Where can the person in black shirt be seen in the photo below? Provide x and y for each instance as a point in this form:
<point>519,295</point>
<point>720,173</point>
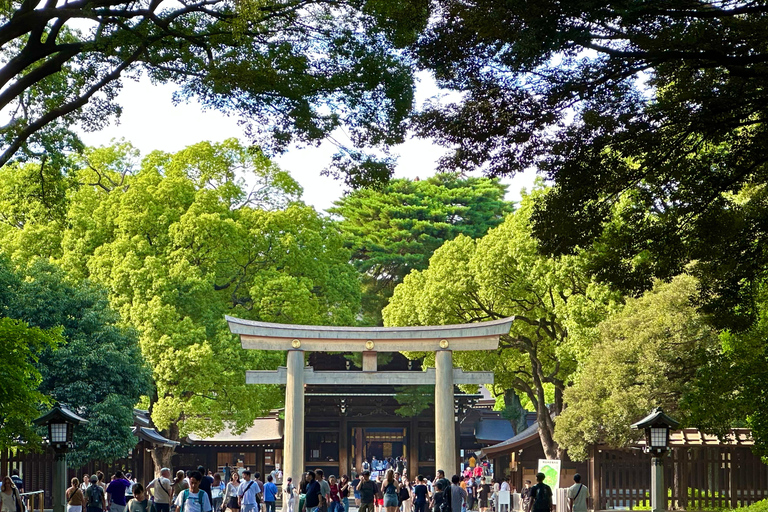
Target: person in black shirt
<point>541,496</point>
<point>205,483</point>
<point>420,492</point>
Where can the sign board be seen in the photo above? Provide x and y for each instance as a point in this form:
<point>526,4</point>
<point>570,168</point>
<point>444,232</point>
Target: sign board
<point>551,468</point>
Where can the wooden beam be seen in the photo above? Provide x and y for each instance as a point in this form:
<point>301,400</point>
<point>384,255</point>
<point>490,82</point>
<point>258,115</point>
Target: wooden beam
<point>358,378</point>
<point>271,336</point>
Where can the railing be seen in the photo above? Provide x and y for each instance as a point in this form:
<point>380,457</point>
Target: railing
<point>31,500</point>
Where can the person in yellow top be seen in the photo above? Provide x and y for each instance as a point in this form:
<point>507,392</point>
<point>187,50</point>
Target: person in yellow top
<point>472,462</point>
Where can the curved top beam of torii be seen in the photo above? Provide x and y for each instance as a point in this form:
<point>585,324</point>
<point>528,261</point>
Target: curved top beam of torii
<point>316,338</point>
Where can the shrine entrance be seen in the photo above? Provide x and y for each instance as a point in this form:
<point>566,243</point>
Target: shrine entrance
<point>298,339</point>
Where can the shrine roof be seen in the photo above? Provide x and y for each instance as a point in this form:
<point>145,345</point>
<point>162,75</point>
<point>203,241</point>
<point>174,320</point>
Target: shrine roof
<point>273,336</point>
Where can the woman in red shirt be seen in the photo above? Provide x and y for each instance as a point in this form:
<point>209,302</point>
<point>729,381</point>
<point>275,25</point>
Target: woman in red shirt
<point>335,504</point>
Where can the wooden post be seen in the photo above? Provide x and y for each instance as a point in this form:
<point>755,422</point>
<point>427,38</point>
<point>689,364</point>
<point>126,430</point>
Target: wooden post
<point>413,449</point>
<point>594,478</point>
<point>343,447</point>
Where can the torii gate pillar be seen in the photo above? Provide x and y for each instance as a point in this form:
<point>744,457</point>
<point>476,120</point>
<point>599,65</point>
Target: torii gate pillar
<point>293,460</point>
<point>445,430</point>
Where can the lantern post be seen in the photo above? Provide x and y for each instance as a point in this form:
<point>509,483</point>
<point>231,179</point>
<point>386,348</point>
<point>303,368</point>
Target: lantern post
<point>657,426</point>
<point>61,425</point>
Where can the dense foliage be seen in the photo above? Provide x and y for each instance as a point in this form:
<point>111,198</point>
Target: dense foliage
<point>294,70</point>
<point>555,304</point>
<point>178,241</point>
<point>22,345</point>
<point>647,355</point>
<point>662,103</point>
<point>395,230</point>
<point>96,369</point>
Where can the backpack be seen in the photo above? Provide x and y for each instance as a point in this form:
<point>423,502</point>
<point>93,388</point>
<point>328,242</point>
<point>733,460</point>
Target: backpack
<point>445,505</point>
<point>95,496</point>
<point>200,494</point>
<point>543,500</point>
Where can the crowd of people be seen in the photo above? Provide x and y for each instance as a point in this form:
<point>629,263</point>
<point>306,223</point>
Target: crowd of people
<point>389,491</point>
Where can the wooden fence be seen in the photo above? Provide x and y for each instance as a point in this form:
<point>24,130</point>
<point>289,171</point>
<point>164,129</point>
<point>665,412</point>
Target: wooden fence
<point>697,478</point>
<point>36,470</point>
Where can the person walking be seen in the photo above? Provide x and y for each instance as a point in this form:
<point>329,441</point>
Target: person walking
<point>270,494</point>
<point>541,496</point>
<point>75,497</point>
<point>314,494</point>
<point>325,490</point>
<point>10,497</point>
<point>140,500</point>
<point>440,498</point>
<point>179,484</point>
<point>390,490</point>
<point>206,483</point>
<point>217,491</point>
<point>95,497</point>
<point>367,490</point>
<point>231,501</point>
<point>406,505</point>
<point>116,491</point>
<point>161,491</point>
<point>289,495</point>
<point>578,494</point>
<point>247,493</point>
<point>419,493</point>
<point>193,499</point>
<point>525,495</point>
<point>344,487</point>
<point>334,501</point>
<point>484,494</point>
<point>260,494</point>
<point>355,482</point>
<point>458,495</point>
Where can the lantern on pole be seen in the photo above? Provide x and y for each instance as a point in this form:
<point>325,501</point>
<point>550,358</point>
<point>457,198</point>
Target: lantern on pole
<point>657,426</point>
<point>61,424</point>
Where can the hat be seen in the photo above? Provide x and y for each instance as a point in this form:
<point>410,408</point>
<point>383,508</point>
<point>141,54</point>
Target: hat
<point>94,479</point>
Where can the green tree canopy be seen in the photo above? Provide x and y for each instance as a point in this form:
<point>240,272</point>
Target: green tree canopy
<point>20,398</point>
<point>665,101</point>
<point>294,70</point>
<point>731,389</point>
<point>647,355</point>
<point>556,307</point>
<point>97,369</point>
<point>395,230</point>
<point>178,244</point>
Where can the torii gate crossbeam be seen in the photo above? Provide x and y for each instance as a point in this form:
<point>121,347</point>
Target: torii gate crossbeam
<point>297,339</point>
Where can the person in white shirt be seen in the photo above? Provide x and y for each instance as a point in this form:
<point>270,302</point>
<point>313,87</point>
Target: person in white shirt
<point>161,491</point>
<point>578,494</point>
<point>193,499</point>
<point>247,493</point>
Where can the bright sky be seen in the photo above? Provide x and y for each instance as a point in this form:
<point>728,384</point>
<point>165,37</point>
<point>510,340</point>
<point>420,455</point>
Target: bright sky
<point>150,121</point>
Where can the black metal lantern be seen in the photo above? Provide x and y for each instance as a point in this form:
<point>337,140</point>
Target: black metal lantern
<point>657,426</point>
<point>61,425</point>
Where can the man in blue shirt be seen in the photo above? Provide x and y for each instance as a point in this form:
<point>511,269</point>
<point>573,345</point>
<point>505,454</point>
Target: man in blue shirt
<point>270,494</point>
<point>314,494</point>
<point>116,492</point>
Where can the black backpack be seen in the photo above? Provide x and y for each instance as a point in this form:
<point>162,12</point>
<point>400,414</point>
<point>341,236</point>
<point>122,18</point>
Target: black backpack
<point>95,496</point>
<point>543,500</point>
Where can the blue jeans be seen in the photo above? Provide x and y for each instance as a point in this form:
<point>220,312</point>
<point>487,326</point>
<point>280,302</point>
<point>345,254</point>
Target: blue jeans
<point>345,505</point>
<point>335,506</point>
<point>270,506</point>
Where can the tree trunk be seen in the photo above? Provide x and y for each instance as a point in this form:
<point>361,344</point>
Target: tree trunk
<point>546,433</point>
<point>161,456</point>
<point>515,410</point>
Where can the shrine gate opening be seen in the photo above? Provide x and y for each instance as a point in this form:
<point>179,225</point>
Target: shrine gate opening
<point>297,339</point>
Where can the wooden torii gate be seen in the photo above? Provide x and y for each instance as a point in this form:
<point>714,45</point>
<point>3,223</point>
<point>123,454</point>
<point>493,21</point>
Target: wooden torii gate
<point>297,339</point>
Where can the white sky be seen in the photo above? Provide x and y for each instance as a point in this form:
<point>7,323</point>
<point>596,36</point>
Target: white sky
<point>150,121</point>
